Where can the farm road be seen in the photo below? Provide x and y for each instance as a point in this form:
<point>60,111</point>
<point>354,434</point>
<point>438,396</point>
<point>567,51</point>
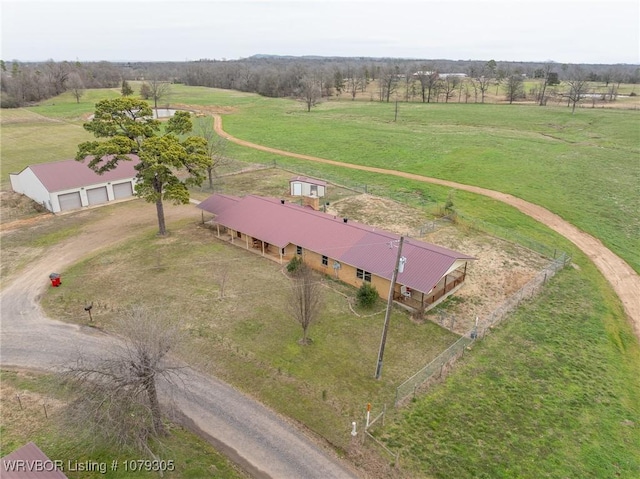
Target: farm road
<point>256,438</point>
<point>624,280</point>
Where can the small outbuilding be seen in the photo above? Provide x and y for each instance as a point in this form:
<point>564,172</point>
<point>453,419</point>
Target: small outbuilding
<point>70,184</point>
<point>303,186</point>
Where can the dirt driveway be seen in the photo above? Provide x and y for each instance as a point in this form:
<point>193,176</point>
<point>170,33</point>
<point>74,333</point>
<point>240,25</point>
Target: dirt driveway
<point>259,440</point>
<point>624,280</point>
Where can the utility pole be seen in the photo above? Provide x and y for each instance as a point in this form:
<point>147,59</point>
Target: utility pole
<point>387,315</point>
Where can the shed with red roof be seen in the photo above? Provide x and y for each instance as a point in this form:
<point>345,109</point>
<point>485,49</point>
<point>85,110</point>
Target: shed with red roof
<point>70,184</point>
<point>305,186</point>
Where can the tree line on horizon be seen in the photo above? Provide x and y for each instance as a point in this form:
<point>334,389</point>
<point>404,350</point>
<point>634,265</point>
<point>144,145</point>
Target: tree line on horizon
<point>312,78</point>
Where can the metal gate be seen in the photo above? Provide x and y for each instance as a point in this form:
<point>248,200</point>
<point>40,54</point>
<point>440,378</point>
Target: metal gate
<point>70,201</point>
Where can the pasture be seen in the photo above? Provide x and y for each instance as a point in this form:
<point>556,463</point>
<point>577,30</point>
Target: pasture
<point>554,392</point>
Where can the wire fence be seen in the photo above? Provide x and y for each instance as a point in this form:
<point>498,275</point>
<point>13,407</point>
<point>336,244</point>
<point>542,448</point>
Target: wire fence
<point>439,367</point>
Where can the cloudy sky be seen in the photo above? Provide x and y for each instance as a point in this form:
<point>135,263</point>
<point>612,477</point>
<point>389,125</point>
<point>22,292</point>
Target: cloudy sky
<point>564,31</point>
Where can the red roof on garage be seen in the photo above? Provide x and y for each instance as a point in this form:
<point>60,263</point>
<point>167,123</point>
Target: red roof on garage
<point>70,174</point>
<point>359,245</point>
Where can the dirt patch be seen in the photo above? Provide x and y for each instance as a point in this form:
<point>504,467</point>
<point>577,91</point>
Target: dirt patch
<point>18,210</point>
<point>26,410</point>
<point>205,109</point>
<point>501,268</point>
<point>380,213</point>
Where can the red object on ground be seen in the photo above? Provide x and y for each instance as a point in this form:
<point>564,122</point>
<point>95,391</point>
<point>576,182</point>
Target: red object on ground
<point>55,278</point>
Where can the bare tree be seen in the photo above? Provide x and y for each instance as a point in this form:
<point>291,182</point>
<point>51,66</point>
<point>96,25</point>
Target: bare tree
<point>449,85</point>
<point>578,87</point>
<point>216,145</point>
<point>309,91</point>
<point>117,393</point>
<point>428,80</point>
<point>75,86</point>
<point>158,90</point>
<point>388,82</point>
<point>514,87</point>
<point>546,71</point>
<point>305,299</point>
<point>57,75</point>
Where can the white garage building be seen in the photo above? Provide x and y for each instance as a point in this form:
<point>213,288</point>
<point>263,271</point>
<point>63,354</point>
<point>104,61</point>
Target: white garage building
<point>70,184</point>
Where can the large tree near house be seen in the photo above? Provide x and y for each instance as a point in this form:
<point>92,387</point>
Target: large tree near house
<point>170,161</point>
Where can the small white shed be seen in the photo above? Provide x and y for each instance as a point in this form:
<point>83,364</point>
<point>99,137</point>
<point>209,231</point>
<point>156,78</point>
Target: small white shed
<point>70,184</point>
<point>303,186</point>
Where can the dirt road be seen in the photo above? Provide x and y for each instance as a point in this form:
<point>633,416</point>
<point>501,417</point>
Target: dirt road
<point>258,439</point>
<point>624,280</point>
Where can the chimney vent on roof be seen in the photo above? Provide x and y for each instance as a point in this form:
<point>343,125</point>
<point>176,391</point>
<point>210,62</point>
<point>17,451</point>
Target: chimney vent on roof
<point>282,202</point>
<point>345,219</point>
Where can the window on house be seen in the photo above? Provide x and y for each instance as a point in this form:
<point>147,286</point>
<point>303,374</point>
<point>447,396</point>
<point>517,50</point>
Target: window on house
<point>363,275</point>
<point>325,261</point>
<point>299,250</point>
<point>238,234</point>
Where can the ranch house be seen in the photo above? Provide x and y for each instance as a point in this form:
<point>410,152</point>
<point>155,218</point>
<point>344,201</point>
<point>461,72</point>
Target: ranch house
<point>349,251</point>
<point>70,184</point>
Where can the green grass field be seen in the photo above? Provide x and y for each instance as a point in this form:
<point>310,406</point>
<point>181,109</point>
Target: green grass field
<point>554,392</point>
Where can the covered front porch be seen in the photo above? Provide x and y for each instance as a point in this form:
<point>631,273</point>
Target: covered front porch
<point>447,286</point>
<point>255,245</point>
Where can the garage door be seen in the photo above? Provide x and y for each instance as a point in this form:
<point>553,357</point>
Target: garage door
<point>97,196</point>
<point>69,201</point>
<point>122,190</point>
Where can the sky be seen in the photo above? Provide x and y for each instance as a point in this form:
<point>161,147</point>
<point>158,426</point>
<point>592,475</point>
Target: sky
<point>562,31</point>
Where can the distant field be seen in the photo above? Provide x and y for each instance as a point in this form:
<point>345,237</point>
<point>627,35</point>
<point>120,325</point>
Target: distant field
<point>583,167</point>
<point>555,392</point>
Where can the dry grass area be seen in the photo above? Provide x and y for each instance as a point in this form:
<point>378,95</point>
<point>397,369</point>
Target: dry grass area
<point>15,209</point>
<point>26,410</point>
<point>500,269</point>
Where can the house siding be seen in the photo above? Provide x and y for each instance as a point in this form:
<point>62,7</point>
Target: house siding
<point>27,183</point>
<point>305,189</point>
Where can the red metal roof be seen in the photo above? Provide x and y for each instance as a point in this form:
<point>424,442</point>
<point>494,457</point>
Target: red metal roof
<point>29,462</point>
<point>361,246</point>
<point>70,174</point>
<point>306,179</point>
<point>217,203</point>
